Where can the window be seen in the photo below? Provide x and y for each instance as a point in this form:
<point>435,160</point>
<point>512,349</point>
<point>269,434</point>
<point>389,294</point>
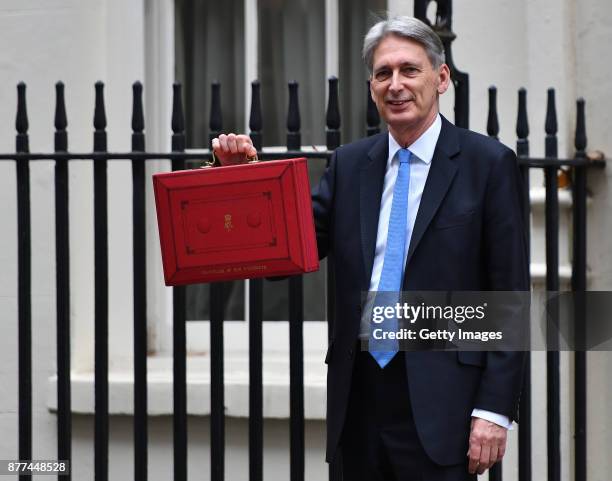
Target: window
<point>210,44</point>
<point>356,17</point>
<point>292,48</point>
<point>209,47</point>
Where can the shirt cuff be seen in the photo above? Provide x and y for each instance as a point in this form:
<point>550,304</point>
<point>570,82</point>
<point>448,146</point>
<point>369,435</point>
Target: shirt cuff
<point>499,419</point>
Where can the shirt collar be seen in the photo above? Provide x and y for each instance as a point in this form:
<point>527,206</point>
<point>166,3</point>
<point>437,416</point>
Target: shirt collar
<point>423,148</point>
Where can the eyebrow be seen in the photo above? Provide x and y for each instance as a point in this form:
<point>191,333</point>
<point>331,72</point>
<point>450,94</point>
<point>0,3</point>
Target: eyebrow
<point>405,64</point>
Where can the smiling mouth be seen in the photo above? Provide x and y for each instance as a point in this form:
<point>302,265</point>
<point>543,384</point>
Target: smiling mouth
<point>398,102</point>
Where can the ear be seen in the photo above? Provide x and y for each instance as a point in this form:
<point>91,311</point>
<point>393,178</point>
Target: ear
<point>444,78</point>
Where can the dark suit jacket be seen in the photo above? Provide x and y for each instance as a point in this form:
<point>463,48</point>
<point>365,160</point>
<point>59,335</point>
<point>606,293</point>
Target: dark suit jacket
<point>468,235</point>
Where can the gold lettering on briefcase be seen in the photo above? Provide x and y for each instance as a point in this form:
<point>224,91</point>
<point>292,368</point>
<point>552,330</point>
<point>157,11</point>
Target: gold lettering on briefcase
<point>228,222</point>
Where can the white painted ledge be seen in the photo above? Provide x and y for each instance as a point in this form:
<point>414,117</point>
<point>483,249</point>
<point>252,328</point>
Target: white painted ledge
<point>275,380</point>
<point>538,272</point>
<point>537,197</point>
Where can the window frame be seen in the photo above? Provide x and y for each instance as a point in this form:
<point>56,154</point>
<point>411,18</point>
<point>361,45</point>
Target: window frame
<point>159,61</point>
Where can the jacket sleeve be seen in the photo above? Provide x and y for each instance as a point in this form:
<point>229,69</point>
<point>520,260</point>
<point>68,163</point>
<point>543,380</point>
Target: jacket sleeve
<point>507,269</point>
<point>323,208</point>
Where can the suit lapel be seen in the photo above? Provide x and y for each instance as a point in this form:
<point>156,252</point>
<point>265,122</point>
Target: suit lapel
<point>441,173</point>
<point>370,189</point>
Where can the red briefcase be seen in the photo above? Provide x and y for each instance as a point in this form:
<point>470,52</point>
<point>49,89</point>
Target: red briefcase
<point>236,222</point>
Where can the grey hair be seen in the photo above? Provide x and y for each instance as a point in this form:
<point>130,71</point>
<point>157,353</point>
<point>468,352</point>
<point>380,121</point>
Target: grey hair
<point>405,27</point>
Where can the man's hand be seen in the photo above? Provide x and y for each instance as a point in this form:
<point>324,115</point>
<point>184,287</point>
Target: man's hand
<point>487,445</point>
<point>233,149</point>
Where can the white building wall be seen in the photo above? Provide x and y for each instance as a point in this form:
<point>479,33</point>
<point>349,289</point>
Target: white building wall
<point>593,35</point>
<point>536,44</point>
<point>40,48</point>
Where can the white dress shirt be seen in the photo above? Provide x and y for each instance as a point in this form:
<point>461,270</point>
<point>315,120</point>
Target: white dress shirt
<point>422,151</point>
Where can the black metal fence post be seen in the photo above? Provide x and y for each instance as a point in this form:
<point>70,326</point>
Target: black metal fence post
<point>101,288</point>
<point>62,280</point>
<point>140,288</point>
<point>495,472</point>
<point>255,380</point>
<point>524,433</point>
<point>217,396</point>
<point>24,285</point>
<point>579,287</point>
<point>255,324</point>
<point>333,142</point>
<point>522,151</point>
<point>552,285</point>
<point>179,353</point>
<point>296,320</point>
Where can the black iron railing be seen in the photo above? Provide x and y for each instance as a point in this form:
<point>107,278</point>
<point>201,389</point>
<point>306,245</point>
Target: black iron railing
<point>179,159</point>
<point>551,165</point>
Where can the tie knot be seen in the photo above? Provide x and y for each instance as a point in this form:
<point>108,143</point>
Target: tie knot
<point>403,156</point>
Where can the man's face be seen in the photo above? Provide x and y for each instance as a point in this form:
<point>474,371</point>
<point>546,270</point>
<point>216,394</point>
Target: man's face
<point>404,85</point>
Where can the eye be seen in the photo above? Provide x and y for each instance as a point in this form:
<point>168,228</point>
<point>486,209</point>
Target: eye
<point>410,70</point>
<point>382,75</point>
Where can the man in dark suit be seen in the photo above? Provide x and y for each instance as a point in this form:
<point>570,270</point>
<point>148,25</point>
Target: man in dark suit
<point>425,206</point>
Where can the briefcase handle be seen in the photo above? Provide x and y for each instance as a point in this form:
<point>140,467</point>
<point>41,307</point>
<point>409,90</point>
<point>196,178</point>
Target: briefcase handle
<point>215,162</point>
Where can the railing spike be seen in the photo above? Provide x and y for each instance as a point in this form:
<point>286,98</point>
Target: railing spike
<point>216,120</point>
<point>551,113</point>
<point>138,138</point>
<point>332,118</point>
<point>137,108</point>
<point>550,141</point>
<point>333,108</point>
<point>255,117</point>
<point>492,120</point>
<point>100,120</point>
<point>178,120</point>
<point>293,118</point>
<point>100,112</point>
<point>61,121</point>
<point>580,141</point>
<point>293,115</point>
<point>522,121</point>
<point>21,120</point>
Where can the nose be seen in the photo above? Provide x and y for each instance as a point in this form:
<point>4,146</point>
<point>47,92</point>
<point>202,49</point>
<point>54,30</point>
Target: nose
<point>396,84</point>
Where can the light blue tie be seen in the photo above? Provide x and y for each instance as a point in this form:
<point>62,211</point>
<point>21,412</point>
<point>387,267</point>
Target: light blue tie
<point>391,277</point>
